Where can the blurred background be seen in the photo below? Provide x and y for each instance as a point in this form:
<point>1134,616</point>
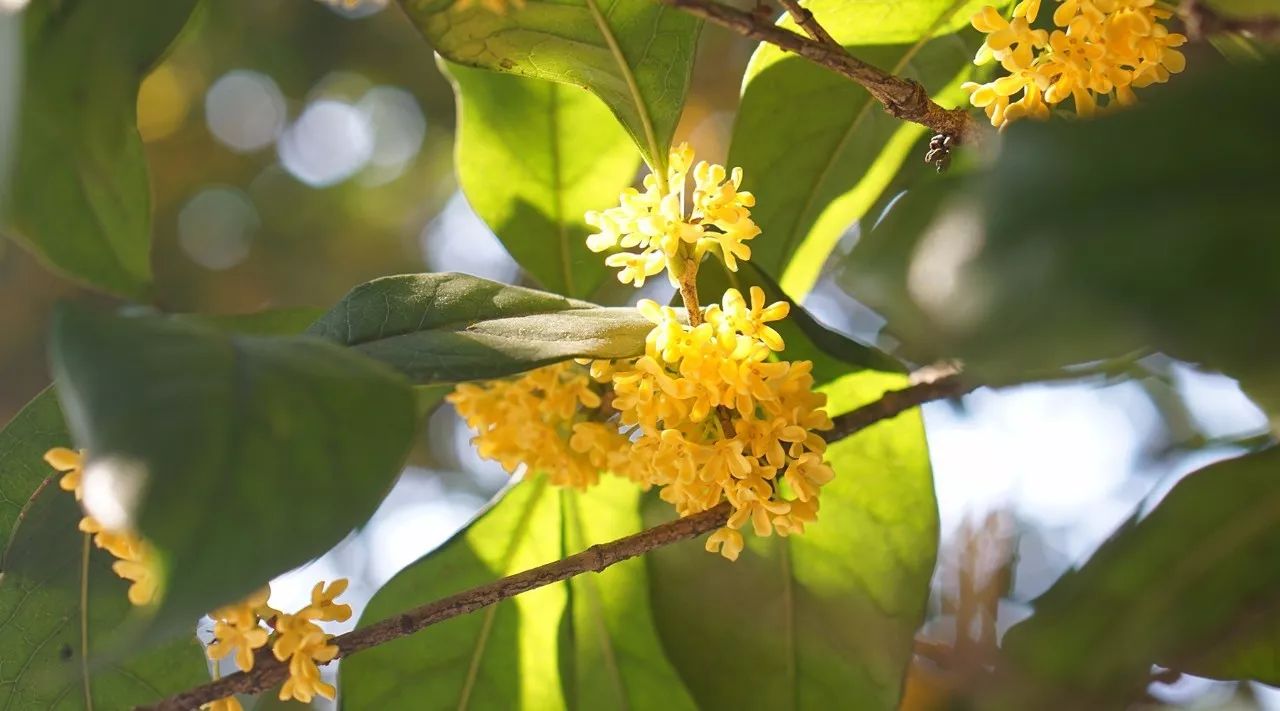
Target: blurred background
<point>298,149</point>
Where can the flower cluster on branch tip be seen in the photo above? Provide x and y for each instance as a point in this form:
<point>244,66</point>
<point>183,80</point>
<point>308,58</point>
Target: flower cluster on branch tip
<point>708,414</point>
<point>238,629</point>
<point>668,226</point>
<point>1100,49</point>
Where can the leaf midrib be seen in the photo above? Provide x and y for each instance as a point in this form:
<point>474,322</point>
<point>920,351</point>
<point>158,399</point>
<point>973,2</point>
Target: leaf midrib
<point>518,533</point>
<point>657,155</point>
<point>589,582</point>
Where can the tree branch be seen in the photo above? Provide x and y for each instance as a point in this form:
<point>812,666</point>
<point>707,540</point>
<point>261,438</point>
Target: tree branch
<point>903,98</point>
<point>808,22</point>
<point>894,403</point>
<point>268,672</point>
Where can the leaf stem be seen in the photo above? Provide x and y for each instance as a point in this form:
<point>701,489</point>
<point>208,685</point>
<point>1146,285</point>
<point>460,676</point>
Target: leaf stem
<point>84,624</point>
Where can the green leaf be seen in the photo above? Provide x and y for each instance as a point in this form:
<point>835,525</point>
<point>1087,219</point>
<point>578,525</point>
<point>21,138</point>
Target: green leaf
<point>79,194</point>
<point>636,55</point>
<point>1088,239</point>
<point>533,156</point>
<point>294,438</point>
<point>840,148</point>
<point>42,638</point>
<point>832,353</point>
<point>446,328</point>
<point>821,620</point>
<point>587,643</point>
<point>1186,587</point>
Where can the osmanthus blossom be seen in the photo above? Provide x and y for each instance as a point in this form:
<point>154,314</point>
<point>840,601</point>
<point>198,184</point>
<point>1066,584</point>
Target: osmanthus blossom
<point>709,413</point>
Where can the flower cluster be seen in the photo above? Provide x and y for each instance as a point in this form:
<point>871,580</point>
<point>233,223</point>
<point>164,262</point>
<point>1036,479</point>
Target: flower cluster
<point>239,629</point>
<point>137,559</point>
<point>708,413</point>
<point>669,227</point>
<point>547,403</point>
<point>1100,49</point>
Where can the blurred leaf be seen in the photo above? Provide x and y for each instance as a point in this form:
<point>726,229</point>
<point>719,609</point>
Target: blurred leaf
<point>839,149</point>
<point>833,354</point>
<point>80,197</point>
<point>636,55</point>
<point>825,619</point>
<point>296,439</point>
<point>586,643</point>
<point>1085,239</point>
<point>1244,9</point>
<point>532,157</point>
<point>42,640</point>
<point>1184,587</point>
<point>273,322</point>
<point>445,328</point>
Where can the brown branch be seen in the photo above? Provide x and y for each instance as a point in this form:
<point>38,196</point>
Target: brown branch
<point>894,403</point>
<point>903,98</point>
<point>808,22</point>
<point>268,672</point>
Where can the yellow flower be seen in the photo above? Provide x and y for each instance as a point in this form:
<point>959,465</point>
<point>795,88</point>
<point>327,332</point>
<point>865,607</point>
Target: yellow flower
<point>230,703</point>
<point>727,542</point>
<point>1102,50</point>
<point>322,606</point>
<point>665,224</point>
<point>140,570</point>
<point>71,462</point>
<point>237,630</point>
<point>303,643</point>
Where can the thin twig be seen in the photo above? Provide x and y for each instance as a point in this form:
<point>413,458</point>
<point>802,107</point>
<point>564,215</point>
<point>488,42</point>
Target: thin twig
<point>903,98</point>
<point>268,672</point>
<point>894,403</point>
<point>808,22</point>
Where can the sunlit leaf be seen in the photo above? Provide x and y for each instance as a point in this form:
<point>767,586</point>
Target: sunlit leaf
<point>825,619</point>
<point>586,643</point>
<point>445,328</point>
<point>79,196</point>
<point>636,55</point>
<point>816,149</point>
<point>533,156</point>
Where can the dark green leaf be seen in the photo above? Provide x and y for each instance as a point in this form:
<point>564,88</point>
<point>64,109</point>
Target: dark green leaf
<point>42,638</point>
<point>1187,587</point>
<point>445,328</point>
<point>839,148</point>
<point>587,643</point>
<point>294,438</point>
<point>821,620</point>
<point>636,55</point>
<point>1150,226</point>
<point>833,354</point>
<point>79,195</point>
<point>533,156</point>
